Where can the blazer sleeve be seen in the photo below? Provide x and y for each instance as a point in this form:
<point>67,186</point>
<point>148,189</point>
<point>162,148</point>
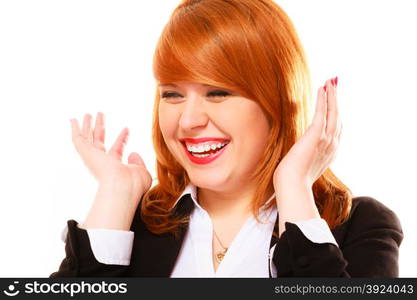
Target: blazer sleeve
<point>370,246</point>
<point>80,260</point>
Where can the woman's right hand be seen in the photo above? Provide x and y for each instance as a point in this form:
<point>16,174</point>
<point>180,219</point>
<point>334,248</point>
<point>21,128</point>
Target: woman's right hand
<point>121,186</point>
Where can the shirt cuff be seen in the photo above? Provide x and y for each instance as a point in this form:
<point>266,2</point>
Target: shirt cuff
<point>316,230</point>
<point>109,246</point>
<point>272,267</point>
<point>64,234</point>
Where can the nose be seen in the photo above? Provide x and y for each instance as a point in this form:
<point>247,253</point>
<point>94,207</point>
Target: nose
<point>193,115</point>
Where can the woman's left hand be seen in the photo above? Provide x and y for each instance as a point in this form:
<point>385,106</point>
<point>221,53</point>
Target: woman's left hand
<point>312,154</point>
<point>308,158</point>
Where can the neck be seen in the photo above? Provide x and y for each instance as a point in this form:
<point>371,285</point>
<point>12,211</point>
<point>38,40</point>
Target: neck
<point>227,203</point>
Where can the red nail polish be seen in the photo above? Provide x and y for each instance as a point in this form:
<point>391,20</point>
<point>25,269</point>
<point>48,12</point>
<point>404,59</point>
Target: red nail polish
<point>325,87</point>
<point>335,80</point>
<point>332,81</point>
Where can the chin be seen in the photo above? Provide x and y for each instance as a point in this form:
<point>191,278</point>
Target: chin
<point>208,181</point>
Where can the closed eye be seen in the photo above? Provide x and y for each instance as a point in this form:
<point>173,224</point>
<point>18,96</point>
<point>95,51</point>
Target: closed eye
<point>170,95</point>
<point>216,93</point>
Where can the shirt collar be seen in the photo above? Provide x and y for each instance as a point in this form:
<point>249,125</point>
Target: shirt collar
<point>191,189</point>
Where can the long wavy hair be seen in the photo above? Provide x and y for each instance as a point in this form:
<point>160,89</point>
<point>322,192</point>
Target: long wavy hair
<point>249,46</point>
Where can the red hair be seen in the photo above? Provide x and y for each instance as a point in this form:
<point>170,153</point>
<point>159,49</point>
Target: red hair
<point>249,46</point>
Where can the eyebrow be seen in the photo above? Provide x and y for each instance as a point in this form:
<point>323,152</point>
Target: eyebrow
<point>174,85</point>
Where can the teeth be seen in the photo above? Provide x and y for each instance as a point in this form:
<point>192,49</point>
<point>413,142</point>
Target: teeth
<point>204,148</point>
<point>200,155</point>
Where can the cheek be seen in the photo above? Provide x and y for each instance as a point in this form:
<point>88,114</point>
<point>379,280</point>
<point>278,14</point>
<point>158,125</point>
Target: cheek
<point>255,138</point>
<point>250,126</point>
<point>167,122</point>
<point>166,119</point>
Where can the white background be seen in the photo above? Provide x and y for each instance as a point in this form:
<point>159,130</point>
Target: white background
<point>61,59</point>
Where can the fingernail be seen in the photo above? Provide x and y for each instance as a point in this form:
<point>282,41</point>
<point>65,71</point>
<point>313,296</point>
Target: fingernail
<point>325,87</point>
<point>332,81</point>
<point>335,80</point>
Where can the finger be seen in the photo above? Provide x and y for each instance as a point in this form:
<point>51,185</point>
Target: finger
<point>86,131</point>
<point>75,128</point>
<point>339,130</point>
<point>134,158</point>
<point>77,138</point>
<point>328,86</point>
<point>332,111</point>
<point>320,113</point>
<point>118,146</point>
<point>99,132</point>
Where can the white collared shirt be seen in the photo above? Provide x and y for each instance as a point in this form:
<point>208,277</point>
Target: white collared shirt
<point>248,255</point>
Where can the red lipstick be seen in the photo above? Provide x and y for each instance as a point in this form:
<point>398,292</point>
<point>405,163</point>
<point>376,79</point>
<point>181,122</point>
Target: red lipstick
<point>203,139</point>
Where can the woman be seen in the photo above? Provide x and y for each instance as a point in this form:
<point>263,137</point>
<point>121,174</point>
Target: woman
<point>244,187</point>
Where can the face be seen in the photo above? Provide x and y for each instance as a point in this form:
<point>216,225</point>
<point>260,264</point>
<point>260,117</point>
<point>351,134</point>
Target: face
<point>217,135</point>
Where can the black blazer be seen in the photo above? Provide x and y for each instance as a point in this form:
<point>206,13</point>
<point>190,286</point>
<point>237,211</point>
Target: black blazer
<point>368,242</point>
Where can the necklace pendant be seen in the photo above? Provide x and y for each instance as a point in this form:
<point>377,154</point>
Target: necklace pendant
<point>220,255</point>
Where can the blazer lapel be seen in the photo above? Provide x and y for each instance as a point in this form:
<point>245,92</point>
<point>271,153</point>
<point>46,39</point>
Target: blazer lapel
<point>274,240</point>
<point>155,254</point>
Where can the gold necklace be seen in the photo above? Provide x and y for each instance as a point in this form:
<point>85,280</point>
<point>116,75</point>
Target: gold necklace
<point>220,255</point>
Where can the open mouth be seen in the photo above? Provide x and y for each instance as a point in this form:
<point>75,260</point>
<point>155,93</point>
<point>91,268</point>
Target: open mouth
<point>207,152</point>
<point>203,154</point>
